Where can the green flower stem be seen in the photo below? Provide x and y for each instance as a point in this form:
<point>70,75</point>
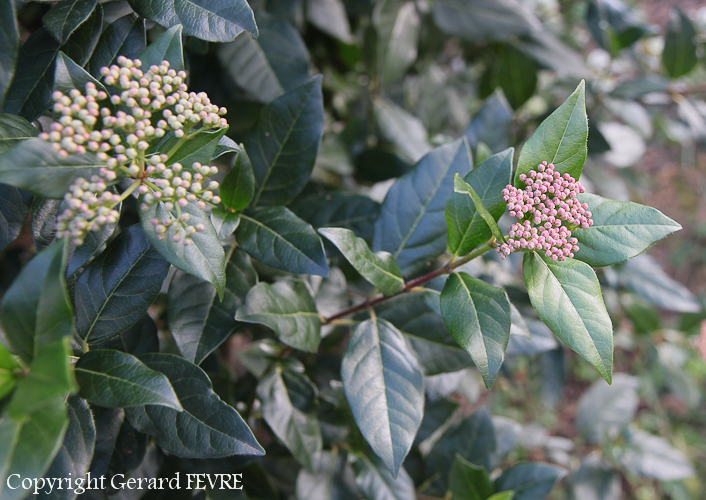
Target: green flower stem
<point>130,189</point>
<point>410,285</point>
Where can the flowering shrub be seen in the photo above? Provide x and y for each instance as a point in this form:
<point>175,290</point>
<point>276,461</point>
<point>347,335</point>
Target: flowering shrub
<point>177,299</point>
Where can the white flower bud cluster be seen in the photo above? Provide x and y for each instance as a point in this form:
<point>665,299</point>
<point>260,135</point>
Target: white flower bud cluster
<point>149,105</point>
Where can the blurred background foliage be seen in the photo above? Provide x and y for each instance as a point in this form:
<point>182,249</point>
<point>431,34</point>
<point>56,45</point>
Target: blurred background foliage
<point>403,76</point>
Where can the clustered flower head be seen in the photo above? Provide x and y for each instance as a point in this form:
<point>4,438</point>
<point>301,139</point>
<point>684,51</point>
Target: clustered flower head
<point>547,211</point>
<point>120,131</point>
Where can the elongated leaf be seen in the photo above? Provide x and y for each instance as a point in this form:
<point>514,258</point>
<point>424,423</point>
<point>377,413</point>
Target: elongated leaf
<point>14,209</point>
<point>285,396</point>
<point>328,479</point>
<point>402,129</point>
<point>167,47</point>
<point>385,388</point>
<point>411,225</point>
<point>129,451</point>
<point>115,379</point>
<point>238,186</point>
<point>483,20</point>
<point>468,481</point>
<point>354,212</point>
<point>65,17</point>
<point>9,45</point>
<point>288,309</point>
<point>227,145</point>
<point>204,257</point>
<point>225,223</point>
<point>212,20</point>
<point>278,238</point>
<point>478,317</point>
<point>200,148</point>
<point>30,93</point>
<point>379,269</point>
<point>462,187</point>
<point>679,53</point>
<point>82,42</point>
<point>117,288</point>
<point>613,24</point>
<point>69,75</point>
<point>604,410</point>
<point>138,339</point>
<point>207,428</point>
<point>124,37</point>
<point>94,242</point>
<point>515,73</point>
<point>397,23</point>
<point>491,124</point>
<point>35,310</point>
<point>13,130</point>
<point>267,66</point>
<point>376,482</point>
<point>530,481</point>
<point>284,143</point>
<point>653,457</point>
<point>8,371</point>
<point>621,230</point>
<point>33,165</point>
<point>567,297</point>
<point>560,139</point>
<point>74,456</point>
<point>466,228</point>
<point>199,322</point>
<point>330,17</point>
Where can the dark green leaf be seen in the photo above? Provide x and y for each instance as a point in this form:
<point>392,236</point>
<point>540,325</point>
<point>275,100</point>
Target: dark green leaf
<point>294,424</point>
<point>462,187</point>
<point>621,230</point>
<point>483,20</point>
<point>199,148</point>
<point>274,63</point>
<point>567,297</point>
<point>225,223</point>
<point>284,143</point>
<point>69,75</point>
<point>108,422</point>
<point>379,269</point>
<point>679,54</point>
<point>9,45</point>
<point>227,145</point>
<point>34,166</point>
<point>129,451</point>
<point>411,225</point>
<point>83,41</point>
<point>207,428</point>
<point>560,139</point>
<point>30,93</point>
<point>238,186</point>
<point>613,24</point>
<point>397,23</point>
<point>330,17</point>
<point>327,480</point>
<point>167,47</point>
<point>604,410</point>
<point>466,228</point>
<point>385,388</point>
<point>355,212</point>
<point>478,317</point>
<point>376,482</point>
<point>14,209</point>
<point>402,129</point>
<point>138,339</point>
<point>634,89</point>
<point>65,17</point>
<point>117,288</point>
<point>288,309</point>
<point>278,238</point>
<point>43,223</point>
<point>198,320</point>
<point>491,125</point>
<point>213,20</point>
<point>204,257</point>
<point>74,456</point>
<point>468,481</point>
<point>514,72</point>
<point>35,310</point>
<point>124,37</point>
<point>115,379</point>
<point>94,242</point>
<point>654,457</point>
<point>530,481</point>
<point>13,130</point>
<point>8,374</point>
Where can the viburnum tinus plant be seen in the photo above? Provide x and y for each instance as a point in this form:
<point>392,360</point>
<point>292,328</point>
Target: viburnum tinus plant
<point>181,306</point>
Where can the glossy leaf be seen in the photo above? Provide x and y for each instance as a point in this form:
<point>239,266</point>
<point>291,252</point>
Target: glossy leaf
<point>604,410</point>
<point>124,37</point>
<point>115,379</point>
<point>278,238</point>
<point>491,125</point>
<point>35,310</point>
<point>466,228</point>
<point>411,225</point>
<point>621,230</point>
<point>203,258</point>
<point>8,371</point>
<point>376,482</point>
<point>355,212</point>
<point>285,396</point>
<point>214,20</point>
<point>9,46</point>
<point>14,209</point>
<point>94,242</point>
<point>483,20</point>
<point>34,166</point>
<point>385,388</point>
<point>398,25</point>
<point>138,339</point>
<point>270,65</point>
<point>284,143</point>
<point>514,72</point>
<point>65,17</point>
<point>199,148</point>
<point>207,428</point>
<point>530,481</point>
<point>568,299</point>
<point>560,139</point>
<point>478,317</point>
<point>468,481</point>
<point>224,222</point>
<point>13,130</point>
<point>69,75</point>
<point>198,320</point>
<point>462,187</point>
<point>679,53</point>
<point>117,288</point>
<point>402,129</point>
<point>379,269</point>
<point>82,42</point>
<point>167,47</point>
<point>286,308</point>
<point>238,186</point>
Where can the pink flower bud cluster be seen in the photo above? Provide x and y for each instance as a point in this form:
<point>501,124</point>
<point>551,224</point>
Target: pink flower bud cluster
<point>547,211</point>
<point>150,105</point>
